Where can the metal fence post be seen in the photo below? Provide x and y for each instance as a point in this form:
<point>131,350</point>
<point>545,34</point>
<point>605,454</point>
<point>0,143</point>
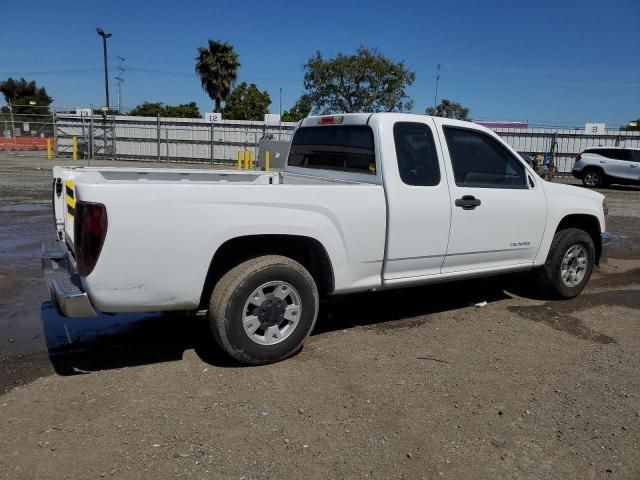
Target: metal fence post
<point>166,143</point>
<point>212,143</point>
<point>104,135</point>
<point>55,133</point>
<point>158,136</point>
<point>91,150</point>
<point>113,136</point>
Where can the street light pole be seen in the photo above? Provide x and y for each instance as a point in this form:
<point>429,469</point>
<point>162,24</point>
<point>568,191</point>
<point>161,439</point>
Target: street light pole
<point>104,36</point>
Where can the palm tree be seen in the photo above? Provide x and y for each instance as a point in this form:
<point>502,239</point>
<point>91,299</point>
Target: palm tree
<point>217,67</point>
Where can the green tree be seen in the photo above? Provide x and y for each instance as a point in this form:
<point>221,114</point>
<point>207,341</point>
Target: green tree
<point>364,82</point>
<point>298,111</point>
<point>247,102</point>
<point>449,109</point>
<point>29,103</point>
<point>152,109</point>
<point>184,110</point>
<point>217,65</point>
<point>148,109</point>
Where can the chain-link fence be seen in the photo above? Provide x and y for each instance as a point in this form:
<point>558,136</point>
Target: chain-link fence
<point>26,127</point>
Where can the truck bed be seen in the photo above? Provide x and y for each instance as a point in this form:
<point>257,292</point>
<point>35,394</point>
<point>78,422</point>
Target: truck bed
<point>101,175</point>
<point>164,226</point>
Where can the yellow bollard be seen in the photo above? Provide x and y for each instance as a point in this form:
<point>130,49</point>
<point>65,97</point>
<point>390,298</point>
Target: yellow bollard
<point>239,160</point>
<point>266,161</point>
<point>74,148</point>
<point>48,149</point>
<point>251,159</point>
<point>246,159</point>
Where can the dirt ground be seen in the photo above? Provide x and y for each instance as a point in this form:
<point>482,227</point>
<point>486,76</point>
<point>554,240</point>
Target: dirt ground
<point>415,383</point>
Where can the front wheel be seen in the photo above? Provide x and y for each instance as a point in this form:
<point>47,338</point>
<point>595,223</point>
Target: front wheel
<point>262,310</point>
<point>569,264</point>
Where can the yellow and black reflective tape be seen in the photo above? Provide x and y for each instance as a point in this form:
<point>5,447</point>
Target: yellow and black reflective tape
<point>70,197</point>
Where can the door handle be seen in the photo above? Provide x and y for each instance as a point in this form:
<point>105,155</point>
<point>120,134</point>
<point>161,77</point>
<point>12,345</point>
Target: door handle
<point>603,161</point>
<point>633,166</point>
<point>468,202</point>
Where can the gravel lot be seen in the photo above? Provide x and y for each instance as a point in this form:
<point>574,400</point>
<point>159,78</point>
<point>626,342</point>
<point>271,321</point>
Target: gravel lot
<point>407,384</point>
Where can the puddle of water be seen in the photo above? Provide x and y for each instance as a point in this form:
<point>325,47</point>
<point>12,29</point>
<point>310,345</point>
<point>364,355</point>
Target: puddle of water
<point>562,322</point>
<point>23,232</point>
<point>26,207</point>
<point>558,314</point>
<point>64,334</point>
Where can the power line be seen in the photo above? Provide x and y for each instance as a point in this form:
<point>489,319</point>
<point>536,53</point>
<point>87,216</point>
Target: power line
<point>120,78</point>
<point>55,72</point>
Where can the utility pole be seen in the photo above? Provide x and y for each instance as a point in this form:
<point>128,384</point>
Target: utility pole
<point>104,36</point>
<point>119,77</point>
<point>435,98</point>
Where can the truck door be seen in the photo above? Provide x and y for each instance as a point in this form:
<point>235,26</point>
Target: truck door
<point>418,208</point>
<point>498,207</point>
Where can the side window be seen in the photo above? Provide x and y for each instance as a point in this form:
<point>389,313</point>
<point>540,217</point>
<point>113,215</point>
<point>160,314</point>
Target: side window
<point>636,156</point>
<point>626,155</point>
<point>480,161</point>
<point>617,154</point>
<point>416,153</point>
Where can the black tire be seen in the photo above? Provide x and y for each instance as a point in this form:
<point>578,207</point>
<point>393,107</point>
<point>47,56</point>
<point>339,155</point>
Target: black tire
<point>593,178</point>
<point>231,294</point>
<point>549,277</point>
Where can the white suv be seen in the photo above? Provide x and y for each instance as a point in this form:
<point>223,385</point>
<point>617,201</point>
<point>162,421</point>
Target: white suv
<point>601,166</point>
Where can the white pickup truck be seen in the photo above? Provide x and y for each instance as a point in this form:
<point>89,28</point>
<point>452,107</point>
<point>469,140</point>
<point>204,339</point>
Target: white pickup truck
<point>366,202</point>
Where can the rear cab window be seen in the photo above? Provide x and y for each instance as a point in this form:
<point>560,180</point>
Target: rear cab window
<point>344,148</point>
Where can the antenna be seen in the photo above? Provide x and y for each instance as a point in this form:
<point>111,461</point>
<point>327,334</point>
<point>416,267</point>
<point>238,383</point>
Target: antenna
<point>120,78</point>
<point>435,98</point>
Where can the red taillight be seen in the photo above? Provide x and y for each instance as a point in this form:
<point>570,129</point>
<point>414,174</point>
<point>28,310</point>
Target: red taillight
<point>578,158</point>
<point>331,120</point>
<point>89,230</point>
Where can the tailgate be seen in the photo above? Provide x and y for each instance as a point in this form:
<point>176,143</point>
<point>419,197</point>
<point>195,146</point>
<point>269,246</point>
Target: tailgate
<point>64,203</point>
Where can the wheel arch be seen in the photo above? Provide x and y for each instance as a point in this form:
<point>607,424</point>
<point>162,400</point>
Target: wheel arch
<point>307,251</point>
<point>587,223</point>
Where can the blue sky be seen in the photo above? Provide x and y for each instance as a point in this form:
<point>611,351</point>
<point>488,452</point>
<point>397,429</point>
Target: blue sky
<point>543,61</point>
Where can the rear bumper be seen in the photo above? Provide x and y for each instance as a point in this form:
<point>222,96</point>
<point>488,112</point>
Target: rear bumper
<point>576,173</point>
<point>605,243</point>
<point>64,283</point>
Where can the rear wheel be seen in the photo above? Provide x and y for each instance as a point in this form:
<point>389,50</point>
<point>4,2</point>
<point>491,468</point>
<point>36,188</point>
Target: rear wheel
<point>593,178</point>
<point>569,264</point>
<point>262,310</point>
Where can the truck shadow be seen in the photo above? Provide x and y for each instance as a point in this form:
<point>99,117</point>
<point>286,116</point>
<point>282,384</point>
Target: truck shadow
<point>84,345</point>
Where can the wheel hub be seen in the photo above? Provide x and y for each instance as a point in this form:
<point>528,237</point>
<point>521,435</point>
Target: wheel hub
<point>574,265</point>
<point>271,312</point>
